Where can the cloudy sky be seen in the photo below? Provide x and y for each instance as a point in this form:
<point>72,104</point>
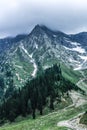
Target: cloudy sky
<point>20,16</point>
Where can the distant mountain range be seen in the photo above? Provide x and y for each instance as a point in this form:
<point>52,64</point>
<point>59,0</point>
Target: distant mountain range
<point>23,56</point>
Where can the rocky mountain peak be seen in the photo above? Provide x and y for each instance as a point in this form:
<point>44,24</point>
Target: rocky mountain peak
<point>37,30</point>
<point>42,29</point>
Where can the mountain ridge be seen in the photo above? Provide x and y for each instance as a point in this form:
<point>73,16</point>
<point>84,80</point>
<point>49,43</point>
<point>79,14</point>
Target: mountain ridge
<point>24,55</point>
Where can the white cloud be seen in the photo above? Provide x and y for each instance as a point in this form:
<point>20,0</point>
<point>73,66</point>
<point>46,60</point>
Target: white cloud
<point>19,16</point>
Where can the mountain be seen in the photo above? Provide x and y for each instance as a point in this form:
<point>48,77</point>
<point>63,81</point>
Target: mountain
<point>80,38</point>
<point>8,42</point>
<point>43,73</point>
<point>22,57</point>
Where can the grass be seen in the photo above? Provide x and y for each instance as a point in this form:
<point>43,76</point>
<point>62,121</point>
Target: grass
<point>67,72</point>
<point>27,69</point>
<point>48,121</point>
<point>45,122</point>
<point>85,72</point>
<point>70,74</point>
<point>24,71</point>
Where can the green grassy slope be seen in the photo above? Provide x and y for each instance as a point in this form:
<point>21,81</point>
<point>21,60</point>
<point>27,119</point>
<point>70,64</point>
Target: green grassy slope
<point>67,72</point>
<point>46,122</point>
<point>22,70</point>
<point>70,74</point>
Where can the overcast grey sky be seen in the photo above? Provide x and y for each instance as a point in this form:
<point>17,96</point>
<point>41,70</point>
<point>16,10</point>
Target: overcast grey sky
<point>20,16</point>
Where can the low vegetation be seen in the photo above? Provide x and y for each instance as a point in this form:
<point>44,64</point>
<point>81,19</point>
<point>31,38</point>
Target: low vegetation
<point>43,91</point>
<point>45,122</point>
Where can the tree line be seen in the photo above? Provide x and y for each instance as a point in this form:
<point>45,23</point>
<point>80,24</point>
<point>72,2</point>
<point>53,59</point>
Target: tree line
<point>33,96</point>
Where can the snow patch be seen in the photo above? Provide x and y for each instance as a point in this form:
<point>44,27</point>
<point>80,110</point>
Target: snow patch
<point>18,77</point>
<point>75,43</point>
<point>83,57</point>
<point>55,36</point>
<point>35,67</point>
<point>19,66</point>
<point>30,55</point>
<point>46,66</point>
<point>36,46</point>
<point>31,60</point>
<point>14,51</point>
<point>78,49</point>
<point>80,67</point>
<point>72,60</point>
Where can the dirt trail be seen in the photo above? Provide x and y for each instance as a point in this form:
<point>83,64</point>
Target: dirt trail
<point>73,123</point>
<point>77,98</point>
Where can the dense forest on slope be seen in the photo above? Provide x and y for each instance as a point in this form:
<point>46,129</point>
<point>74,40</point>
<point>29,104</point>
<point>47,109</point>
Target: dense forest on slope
<point>48,84</point>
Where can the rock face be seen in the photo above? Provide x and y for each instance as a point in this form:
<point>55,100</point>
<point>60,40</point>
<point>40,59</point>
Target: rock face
<point>22,56</point>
